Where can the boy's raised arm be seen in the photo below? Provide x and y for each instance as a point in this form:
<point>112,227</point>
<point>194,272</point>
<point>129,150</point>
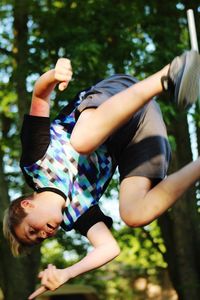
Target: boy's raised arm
<point>61,74</point>
<point>105,249</point>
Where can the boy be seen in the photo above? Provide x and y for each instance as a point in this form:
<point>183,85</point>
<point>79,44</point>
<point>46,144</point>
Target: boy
<point>70,162</point>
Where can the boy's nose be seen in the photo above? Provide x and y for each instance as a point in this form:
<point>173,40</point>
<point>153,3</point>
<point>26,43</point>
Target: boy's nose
<point>42,234</point>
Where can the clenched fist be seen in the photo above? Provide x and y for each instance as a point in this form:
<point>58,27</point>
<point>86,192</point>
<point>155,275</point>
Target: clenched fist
<point>63,72</point>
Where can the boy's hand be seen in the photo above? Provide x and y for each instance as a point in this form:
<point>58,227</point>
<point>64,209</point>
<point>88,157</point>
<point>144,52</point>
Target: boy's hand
<point>51,279</point>
<point>38,292</point>
<point>63,72</point>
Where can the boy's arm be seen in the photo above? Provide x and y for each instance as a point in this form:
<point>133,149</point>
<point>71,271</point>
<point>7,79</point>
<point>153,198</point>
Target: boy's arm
<point>105,249</point>
<point>62,73</point>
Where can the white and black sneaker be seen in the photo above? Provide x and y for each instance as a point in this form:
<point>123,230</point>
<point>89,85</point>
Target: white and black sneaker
<point>183,79</point>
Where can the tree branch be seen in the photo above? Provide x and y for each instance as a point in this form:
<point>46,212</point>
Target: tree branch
<point>5,51</point>
<point>156,245</point>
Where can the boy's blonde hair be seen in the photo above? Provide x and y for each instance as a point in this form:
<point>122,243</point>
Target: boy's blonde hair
<point>13,217</point>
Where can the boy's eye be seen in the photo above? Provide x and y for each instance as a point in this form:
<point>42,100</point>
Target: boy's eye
<point>32,231</point>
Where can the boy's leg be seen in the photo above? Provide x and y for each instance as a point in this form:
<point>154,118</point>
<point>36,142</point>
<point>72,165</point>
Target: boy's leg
<point>182,80</point>
<point>139,204</point>
<point>115,112</point>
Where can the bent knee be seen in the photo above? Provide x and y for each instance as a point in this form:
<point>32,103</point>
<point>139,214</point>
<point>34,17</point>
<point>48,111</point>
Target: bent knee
<point>134,219</point>
<point>133,210</point>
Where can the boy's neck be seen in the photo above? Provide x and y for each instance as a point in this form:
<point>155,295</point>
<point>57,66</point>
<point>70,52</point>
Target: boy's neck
<point>51,198</point>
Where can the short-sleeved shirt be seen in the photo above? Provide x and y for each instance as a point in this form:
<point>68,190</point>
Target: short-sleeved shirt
<point>57,167</point>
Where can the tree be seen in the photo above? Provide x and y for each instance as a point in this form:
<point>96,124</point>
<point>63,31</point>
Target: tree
<point>180,226</point>
<point>13,270</point>
<point>100,37</point>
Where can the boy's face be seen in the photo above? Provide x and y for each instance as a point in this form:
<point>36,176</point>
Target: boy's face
<point>40,223</point>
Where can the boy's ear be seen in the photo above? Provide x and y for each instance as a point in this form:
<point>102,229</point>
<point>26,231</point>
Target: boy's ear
<point>26,203</point>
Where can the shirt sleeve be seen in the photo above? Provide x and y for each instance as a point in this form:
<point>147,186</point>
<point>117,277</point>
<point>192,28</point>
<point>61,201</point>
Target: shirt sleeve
<point>91,101</point>
<point>90,218</point>
<point>35,138</point>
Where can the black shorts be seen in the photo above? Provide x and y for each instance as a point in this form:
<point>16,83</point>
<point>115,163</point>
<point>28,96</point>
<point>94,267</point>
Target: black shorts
<point>148,152</point>
<point>140,147</point>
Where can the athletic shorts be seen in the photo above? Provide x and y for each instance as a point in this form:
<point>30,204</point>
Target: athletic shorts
<point>141,146</point>
<point>148,152</point>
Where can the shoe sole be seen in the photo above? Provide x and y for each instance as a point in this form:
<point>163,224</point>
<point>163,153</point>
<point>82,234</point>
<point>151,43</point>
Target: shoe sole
<point>187,88</point>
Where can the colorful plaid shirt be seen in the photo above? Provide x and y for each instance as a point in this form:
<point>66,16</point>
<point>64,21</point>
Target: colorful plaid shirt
<point>81,179</point>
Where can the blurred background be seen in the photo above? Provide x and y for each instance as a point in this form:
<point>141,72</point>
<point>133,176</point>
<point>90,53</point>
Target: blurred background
<point>101,37</point>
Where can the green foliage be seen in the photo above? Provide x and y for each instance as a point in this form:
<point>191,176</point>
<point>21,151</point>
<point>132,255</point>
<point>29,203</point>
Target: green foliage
<point>142,248</point>
<point>100,37</point>
<point>64,250</point>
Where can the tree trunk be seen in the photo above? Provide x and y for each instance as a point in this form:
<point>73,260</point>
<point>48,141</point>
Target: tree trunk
<point>17,276</point>
<point>179,226</point>
<point>21,55</point>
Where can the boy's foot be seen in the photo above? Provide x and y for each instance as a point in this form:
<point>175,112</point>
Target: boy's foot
<point>183,79</point>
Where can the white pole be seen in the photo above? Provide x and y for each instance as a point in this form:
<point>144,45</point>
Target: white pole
<point>194,46</point>
<point>192,30</point>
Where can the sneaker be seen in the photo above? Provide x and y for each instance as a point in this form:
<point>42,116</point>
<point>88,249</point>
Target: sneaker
<point>183,79</point>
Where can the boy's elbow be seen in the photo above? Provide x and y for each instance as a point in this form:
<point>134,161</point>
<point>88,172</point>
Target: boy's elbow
<point>115,250</point>
<point>118,250</point>
<point>81,146</point>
